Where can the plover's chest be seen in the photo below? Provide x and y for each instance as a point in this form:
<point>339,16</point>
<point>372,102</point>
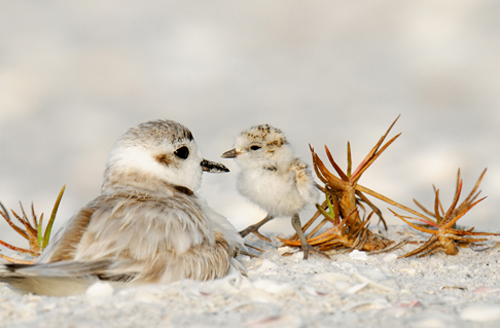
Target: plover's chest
<point>275,191</point>
<point>268,181</point>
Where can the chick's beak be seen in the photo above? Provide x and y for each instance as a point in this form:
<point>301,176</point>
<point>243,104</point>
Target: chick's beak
<point>230,153</point>
<point>213,167</point>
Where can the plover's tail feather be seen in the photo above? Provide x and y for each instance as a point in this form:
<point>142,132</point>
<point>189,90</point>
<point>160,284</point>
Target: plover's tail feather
<point>54,279</point>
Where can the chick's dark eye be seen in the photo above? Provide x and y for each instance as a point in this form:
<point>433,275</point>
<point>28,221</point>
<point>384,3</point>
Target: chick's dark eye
<point>255,147</point>
<point>182,152</point>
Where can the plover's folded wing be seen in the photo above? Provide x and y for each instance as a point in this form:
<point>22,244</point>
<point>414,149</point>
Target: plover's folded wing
<point>155,240</point>
<point>130,225</point>
<point>304,181</point>
<point>131,239</point>
<point>136,227</point>
<point>63,245</point>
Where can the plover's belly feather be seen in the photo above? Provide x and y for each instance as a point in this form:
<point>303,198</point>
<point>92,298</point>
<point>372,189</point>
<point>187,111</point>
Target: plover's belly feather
<point>275,192</point>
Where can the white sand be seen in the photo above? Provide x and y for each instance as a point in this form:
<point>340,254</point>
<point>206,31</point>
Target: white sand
<point>351,290</point>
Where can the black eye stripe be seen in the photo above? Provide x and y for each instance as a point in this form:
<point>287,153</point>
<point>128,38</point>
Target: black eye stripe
<point>182,152</point>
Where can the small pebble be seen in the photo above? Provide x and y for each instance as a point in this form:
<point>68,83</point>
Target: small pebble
<point>390,258</point>
<point>274,287</point>
<point>409,271</point>
<point>99,290</point>
<point>357,255</point>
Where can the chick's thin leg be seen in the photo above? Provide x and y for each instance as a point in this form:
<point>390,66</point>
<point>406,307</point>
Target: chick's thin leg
<point>254,228</point>
<point>306,247</point>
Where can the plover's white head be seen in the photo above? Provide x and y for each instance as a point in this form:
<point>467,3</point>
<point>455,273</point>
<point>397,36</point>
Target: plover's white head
<point>261,145</point>
<point>161,150</point>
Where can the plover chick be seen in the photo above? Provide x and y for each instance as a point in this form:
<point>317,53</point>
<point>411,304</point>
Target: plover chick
<point>273,178</point>
<point>148,225</point>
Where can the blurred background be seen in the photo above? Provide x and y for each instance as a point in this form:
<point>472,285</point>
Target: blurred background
<point>75,75</point>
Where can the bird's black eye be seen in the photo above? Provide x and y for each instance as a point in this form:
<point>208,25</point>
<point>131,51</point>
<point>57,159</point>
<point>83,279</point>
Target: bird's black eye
<point>255,147</point>
<point>182,152</point>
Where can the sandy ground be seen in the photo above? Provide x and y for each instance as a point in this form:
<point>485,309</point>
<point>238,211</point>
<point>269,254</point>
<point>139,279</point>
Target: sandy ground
<point>351,290</point>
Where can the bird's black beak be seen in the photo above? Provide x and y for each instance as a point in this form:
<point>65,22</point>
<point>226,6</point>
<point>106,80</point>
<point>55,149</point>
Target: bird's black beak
<point>213,167</point>
<point>230,153</point>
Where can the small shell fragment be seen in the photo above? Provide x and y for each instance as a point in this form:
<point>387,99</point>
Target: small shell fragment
<point>486,290</point>
<point>373,284</point>
<point>286,249</point>
<point>356,288</point>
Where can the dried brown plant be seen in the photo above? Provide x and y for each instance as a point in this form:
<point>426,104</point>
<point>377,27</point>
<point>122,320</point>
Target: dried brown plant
<point>32,231</point>
<point>446,236</point>
<point>344,198</point>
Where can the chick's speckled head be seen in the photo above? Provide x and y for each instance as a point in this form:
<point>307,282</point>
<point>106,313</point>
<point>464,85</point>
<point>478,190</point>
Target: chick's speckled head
<point>261,145</point>
<point>261,136</point>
